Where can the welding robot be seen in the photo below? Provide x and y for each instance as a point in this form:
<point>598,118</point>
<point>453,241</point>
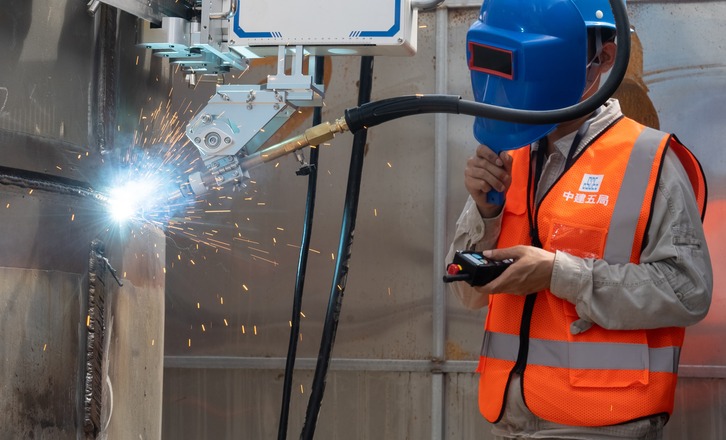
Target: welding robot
<point>513,68</point>
<point>517,99</point>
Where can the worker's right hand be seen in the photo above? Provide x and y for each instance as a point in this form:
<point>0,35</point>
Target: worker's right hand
<point>486,171</point>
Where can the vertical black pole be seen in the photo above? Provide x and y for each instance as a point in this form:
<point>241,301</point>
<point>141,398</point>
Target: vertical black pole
<point>301,265</point>
<point>335,301</point>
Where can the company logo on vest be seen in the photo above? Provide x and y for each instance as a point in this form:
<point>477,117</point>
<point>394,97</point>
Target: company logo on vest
<point>591,183</point>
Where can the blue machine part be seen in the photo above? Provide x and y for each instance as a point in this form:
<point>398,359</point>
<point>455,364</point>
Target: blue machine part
<point>528,55</point>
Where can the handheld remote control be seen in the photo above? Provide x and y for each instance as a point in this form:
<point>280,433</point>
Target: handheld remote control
<point>474,268</point>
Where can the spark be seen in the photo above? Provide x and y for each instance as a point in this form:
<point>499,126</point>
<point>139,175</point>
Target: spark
<point>245,287</point>
<point>203,328</point>
<point>226,324</point>
<point>45,346</point>
<point>389,164</point>
<point>153,341</point>
<point>257,257</point>
<point>255,329</point>
<point>243,329</point>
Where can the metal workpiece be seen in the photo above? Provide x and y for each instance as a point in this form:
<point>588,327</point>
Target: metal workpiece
<point>70,105</point>
<point>74,339</point>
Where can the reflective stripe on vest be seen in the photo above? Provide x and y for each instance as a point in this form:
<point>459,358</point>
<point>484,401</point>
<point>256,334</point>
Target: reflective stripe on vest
<point>619,246</point>
<point>583,355</point>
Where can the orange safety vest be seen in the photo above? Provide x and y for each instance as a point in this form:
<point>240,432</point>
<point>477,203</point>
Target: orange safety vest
<point>598,377</point>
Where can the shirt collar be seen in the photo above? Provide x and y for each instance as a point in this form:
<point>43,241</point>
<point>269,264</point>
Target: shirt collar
<point>609,113</point>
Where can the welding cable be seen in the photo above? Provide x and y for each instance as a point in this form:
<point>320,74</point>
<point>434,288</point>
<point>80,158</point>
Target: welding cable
<point>370,114</point>
<point>378,112</point>
<point>335,301</point>
<point>301,265</point>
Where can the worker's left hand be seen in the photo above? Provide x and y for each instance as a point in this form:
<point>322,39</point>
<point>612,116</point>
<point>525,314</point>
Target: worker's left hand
<point>530,272</point>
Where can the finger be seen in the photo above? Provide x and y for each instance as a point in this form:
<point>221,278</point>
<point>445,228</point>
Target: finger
<point>515,253</point>
<point>488,154</point>
<point>496,177</point>
<point>498,284</point>
<point>507,160</point>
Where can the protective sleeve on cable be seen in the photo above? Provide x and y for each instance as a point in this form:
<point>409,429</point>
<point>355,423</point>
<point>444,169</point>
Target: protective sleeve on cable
<point>378,112</point>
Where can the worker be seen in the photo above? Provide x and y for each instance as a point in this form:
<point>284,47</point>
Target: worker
<point>603,219</point>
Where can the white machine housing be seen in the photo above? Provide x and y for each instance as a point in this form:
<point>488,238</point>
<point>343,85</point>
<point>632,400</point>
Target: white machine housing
<point>324,27</point>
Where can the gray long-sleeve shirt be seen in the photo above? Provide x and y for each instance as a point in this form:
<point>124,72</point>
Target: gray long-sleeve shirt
<point>670,287</point>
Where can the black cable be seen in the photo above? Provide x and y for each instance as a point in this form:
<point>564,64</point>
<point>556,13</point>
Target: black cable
<point>335,301</point>
<point>301,265</point>
<point>378,112</point>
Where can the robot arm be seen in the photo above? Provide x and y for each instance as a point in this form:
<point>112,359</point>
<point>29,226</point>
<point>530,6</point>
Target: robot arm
<point>225,34</point>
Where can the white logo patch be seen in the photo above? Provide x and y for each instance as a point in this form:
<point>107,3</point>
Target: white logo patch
<point>591,182</point>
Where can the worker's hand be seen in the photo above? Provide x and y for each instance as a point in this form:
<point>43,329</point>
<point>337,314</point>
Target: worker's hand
<point>530,272</point>
<point>486,171</point>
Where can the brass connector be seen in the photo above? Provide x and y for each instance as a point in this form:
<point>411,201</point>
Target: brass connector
<point>312,136</point>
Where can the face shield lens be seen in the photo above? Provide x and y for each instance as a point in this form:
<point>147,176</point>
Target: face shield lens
<point>491,60</point>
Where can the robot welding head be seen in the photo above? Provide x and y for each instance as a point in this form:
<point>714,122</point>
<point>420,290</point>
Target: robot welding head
<point>530,55</point>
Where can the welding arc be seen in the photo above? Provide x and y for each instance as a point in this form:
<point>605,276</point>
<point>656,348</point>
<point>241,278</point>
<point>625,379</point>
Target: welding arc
<point>378,112</point>
<point>301,265</point>
<point>335,301</point>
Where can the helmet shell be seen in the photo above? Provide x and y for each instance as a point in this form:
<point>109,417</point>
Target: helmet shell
<point>596,13</point>
<point>547,40</point>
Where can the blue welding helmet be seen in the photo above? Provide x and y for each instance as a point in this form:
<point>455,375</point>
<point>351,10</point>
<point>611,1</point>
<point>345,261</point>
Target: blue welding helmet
<point>528,55</point>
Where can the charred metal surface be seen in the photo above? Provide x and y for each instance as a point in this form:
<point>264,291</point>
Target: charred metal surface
<point>106,83</point>
<point>45,182</point>
<point>96,327</point>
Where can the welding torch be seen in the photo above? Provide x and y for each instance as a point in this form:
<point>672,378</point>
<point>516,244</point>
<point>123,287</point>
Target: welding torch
<point>228,168</point>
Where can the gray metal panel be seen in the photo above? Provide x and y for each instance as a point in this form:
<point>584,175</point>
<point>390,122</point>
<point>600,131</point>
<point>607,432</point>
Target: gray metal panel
<point>684,71</point>
<point>40,353</point>
<point>243,405</point>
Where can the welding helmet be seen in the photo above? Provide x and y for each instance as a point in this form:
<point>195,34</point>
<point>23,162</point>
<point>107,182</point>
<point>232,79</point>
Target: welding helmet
<point>528,55</point>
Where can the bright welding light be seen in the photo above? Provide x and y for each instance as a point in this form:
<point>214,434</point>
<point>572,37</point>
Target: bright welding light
<point>128,200</point>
